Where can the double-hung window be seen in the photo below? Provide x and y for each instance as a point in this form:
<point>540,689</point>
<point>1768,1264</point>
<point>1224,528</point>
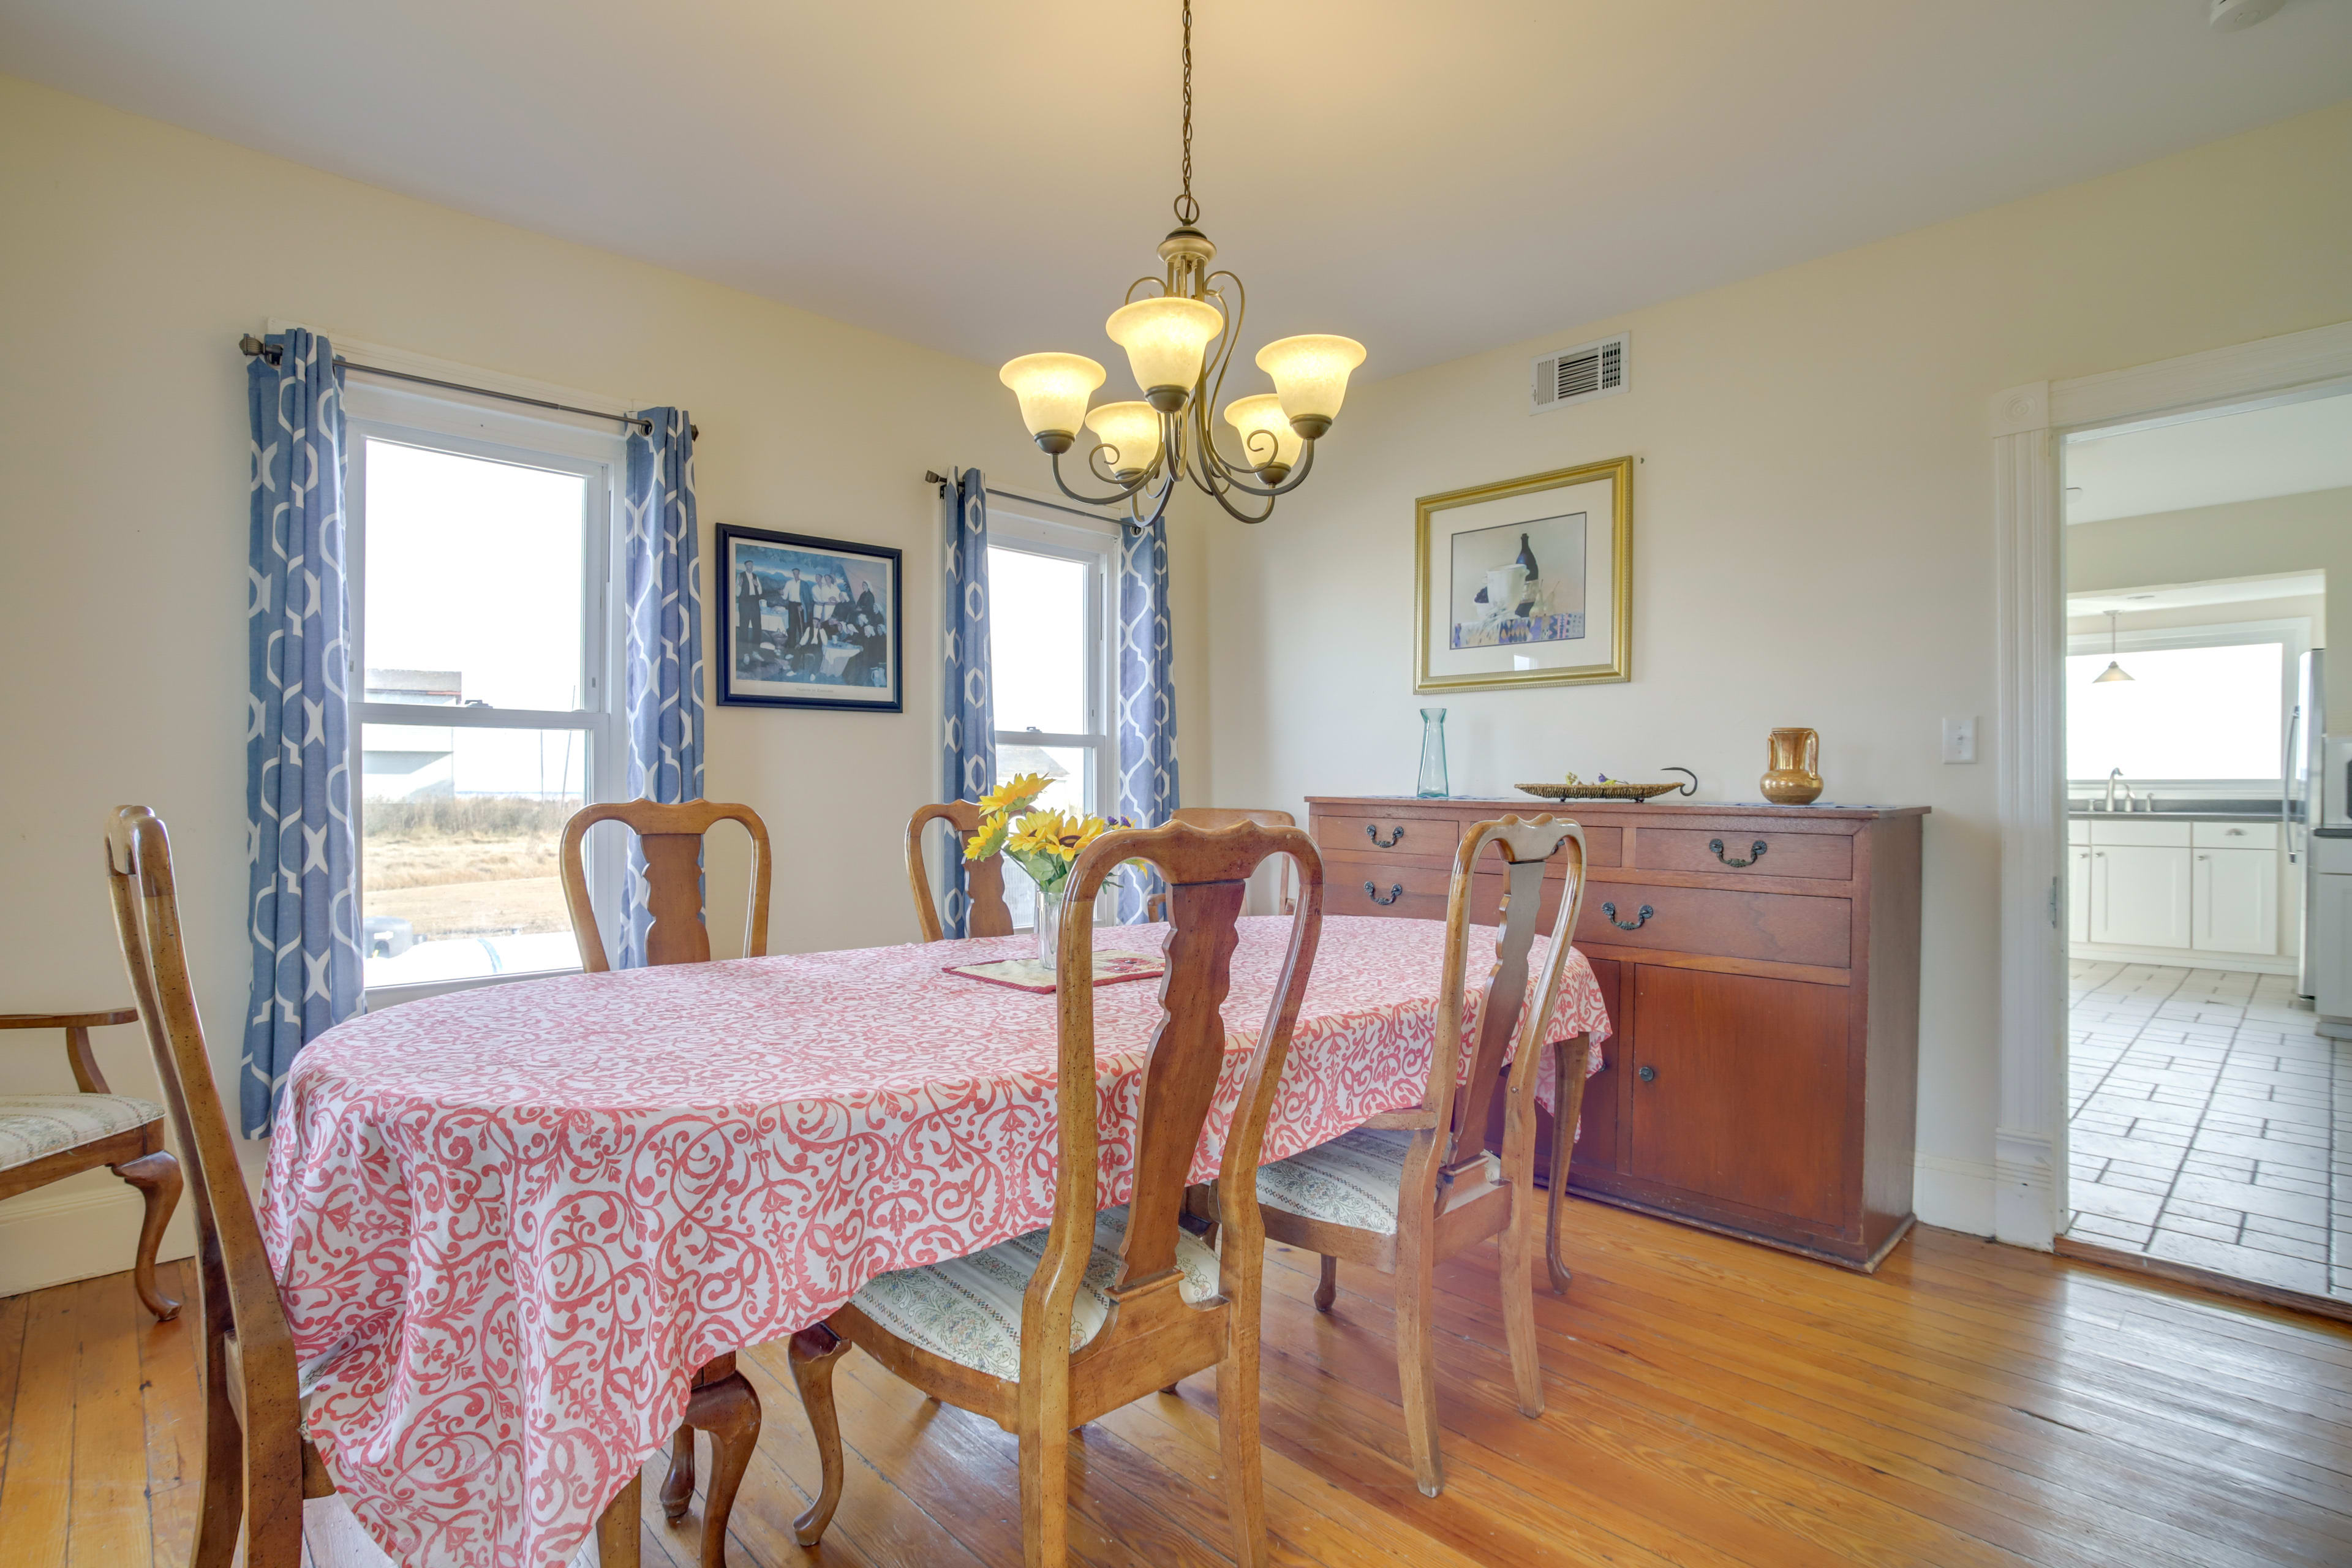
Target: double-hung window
<point>2205,708</point>
<point>486,648</point>
<point>1050,650</point>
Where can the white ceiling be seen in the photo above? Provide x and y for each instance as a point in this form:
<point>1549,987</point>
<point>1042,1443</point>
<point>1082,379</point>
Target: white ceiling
<point>985,178</point>
<point>2284,450</point>
<point>2193,596</point>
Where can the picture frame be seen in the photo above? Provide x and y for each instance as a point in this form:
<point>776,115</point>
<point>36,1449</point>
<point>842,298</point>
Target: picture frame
<point>1526,581</point>
<point>810,622</point>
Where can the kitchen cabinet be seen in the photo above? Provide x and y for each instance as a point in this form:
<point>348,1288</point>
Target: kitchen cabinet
<point>2235,900</point>
<point>2140,894</point>
<point>2331,917</point>
<point>2078,890</point>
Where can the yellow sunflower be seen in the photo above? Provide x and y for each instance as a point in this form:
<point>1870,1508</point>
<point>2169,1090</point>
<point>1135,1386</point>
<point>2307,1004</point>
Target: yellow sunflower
<point>1014,793</point>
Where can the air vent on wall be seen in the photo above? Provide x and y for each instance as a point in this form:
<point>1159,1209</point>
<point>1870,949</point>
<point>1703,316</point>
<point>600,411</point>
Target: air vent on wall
<point>1579,375</point>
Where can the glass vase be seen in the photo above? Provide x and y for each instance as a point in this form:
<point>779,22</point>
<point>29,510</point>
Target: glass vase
<point>1432,756</point>
<point>1049,924</point>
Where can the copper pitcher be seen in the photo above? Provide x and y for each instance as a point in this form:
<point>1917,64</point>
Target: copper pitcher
<point>1792,777</point>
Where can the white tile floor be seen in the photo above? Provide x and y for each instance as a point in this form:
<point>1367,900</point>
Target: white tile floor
<point>2212,1124</point>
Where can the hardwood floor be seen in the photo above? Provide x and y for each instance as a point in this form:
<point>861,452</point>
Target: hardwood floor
<point>1711,1403</point>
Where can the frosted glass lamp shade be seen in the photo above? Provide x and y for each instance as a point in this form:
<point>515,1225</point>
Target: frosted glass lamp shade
<point>1053,390</point>
<point>1268,443</point>
<point>1166,338</point>
<point>1131,432</point>
<point>1310,376</point>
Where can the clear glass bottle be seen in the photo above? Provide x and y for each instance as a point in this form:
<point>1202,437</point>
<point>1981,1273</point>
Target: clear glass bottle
<point>1432,784</point>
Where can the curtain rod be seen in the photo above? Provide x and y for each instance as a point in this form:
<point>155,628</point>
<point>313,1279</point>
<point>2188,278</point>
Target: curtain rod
<point>933,478</point>
<point>256,349</point>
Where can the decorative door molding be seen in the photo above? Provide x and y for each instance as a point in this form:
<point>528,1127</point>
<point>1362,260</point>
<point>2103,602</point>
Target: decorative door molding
<point>2029,586</point>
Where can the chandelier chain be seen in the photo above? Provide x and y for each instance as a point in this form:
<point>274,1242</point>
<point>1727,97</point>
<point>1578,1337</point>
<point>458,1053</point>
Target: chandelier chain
<point>1188,211</point>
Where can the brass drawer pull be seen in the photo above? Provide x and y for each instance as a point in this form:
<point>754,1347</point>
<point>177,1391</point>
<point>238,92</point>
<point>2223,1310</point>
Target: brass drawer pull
<point>1755,853</point>
<point>1372,832</point>
<point>1637,922</point>
<point>1372,891</point>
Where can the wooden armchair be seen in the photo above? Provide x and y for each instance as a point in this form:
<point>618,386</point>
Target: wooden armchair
<point>983,879</point>
<point>1411,1188</point>
<point>1144,1301</point>
<point>723,1402</point>
<point>1215,817</point>
<point>671,837</point>
<point>46,1138</point>
<point>258,1466</point>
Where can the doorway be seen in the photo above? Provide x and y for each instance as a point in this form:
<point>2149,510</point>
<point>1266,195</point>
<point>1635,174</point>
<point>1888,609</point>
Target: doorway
<point>2205,1079</point>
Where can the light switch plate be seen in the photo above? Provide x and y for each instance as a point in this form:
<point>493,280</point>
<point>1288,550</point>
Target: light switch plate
<point>1960,740</point>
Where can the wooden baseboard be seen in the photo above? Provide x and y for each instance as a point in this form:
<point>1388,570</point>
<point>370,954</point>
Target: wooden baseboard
<point>82,1227</point>
<point>2206,1279</point>
<point>2181,958</point>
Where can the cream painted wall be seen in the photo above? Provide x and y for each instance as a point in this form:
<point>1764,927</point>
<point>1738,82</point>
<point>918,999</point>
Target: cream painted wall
<point>136,255</point>
<point>2244,539</point>
<point>1812,531</point>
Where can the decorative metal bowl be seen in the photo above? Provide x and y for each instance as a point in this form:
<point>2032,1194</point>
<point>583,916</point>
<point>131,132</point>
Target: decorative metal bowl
<point>1574,788</point>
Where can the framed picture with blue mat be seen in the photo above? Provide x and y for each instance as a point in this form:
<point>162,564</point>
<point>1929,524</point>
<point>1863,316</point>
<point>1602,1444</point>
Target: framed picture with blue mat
<point>810,623</point>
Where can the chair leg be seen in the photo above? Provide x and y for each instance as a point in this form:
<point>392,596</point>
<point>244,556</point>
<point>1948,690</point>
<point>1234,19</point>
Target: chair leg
<point>1519,1300</point>
<point>616,1527</point>
<point>1569,1106</point>
<point>157,1177</point>
<point>1237,1440</point>
<point>1328,1287</point>
<point>728,1409</point>
<point>220,1508</point>
<point>1417,1376</point>
<point>812,1353</point>
<point>1045,1495</point>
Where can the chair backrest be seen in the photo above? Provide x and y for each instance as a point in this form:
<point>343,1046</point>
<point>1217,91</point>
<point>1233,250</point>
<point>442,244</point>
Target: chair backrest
<point>671,838</point>
<point>1509,1030</point>
<point>983,880</point>
<point>237,1293</point>
<point>1216,817</point>
<point>1207,875</point>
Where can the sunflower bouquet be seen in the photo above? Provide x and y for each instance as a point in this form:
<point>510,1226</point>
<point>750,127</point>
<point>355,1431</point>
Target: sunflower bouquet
<point>1046,844</point>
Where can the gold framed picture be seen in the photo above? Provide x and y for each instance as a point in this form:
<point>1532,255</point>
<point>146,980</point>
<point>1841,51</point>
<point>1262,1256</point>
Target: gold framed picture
<point>1527,582</point>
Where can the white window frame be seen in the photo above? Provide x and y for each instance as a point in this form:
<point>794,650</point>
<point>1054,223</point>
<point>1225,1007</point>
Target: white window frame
<point>1095,548</point>
<point>2294,636</point>
<point>477,428</point>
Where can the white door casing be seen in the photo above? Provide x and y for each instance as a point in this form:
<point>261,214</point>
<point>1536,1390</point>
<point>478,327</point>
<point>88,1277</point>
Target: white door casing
<point>2029,724</point>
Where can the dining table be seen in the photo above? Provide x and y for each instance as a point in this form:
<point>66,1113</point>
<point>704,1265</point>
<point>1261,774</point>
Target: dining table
<point>509,1223</point>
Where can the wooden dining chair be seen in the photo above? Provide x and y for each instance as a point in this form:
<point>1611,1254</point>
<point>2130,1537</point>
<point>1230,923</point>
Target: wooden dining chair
<point>1215,817</point>
<point>46,1138</point>
<point>1411,1188</point>
<point>257,1466</point>
<point>671,838</point>
<point>983,879</point>
<point>1050,1330</point>
<point>722,1401</point>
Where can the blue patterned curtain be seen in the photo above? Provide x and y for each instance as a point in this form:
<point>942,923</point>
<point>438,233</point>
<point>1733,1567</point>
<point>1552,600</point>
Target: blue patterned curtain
<point>663,654</point>
<point>304,907</point>
<point>1147,699</point>
<point>967,748</point>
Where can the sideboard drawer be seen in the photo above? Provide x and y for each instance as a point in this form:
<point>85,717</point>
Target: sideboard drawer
<point>1401,889</point>
<point>1419,837</point>
<point>1781,928</point>
<point>1750,851</point>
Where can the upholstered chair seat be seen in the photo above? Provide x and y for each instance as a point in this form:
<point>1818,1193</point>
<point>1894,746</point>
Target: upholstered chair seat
<point>968,1309</point>
<point>35,1126</point>
<point>1354,1180</point>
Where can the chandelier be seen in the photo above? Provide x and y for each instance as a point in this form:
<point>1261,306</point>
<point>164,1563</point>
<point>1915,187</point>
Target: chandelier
<point>1178,336</point>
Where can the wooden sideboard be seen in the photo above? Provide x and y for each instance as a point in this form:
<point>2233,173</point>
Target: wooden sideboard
<point>1761,968</point>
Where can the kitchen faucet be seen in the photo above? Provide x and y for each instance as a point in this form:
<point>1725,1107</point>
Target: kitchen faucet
<point>2116,777</point>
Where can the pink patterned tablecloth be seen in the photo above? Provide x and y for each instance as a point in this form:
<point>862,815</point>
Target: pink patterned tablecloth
<point>509,1223</point>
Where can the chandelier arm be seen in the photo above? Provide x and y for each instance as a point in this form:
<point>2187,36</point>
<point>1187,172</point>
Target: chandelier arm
<point>1158,505</point>
<point>1237,514</point>
<point>1155,279</point>
<point>1110,476</point>
<point>1232,334</point>
<point>1124,494</point>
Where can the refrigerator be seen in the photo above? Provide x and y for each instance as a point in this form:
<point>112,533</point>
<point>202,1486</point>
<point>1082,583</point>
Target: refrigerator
<point>2309,802</point>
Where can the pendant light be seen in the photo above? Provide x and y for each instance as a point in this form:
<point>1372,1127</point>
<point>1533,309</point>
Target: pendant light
<point>1179,338</point>
<point>2114,671</point>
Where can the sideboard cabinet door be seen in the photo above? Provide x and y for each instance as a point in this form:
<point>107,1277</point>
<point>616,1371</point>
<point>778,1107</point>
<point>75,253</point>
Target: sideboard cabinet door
<point>1739,1089</point>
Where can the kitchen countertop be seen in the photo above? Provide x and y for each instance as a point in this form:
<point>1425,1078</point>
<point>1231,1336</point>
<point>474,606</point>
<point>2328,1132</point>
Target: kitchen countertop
<point>2240,809</point>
